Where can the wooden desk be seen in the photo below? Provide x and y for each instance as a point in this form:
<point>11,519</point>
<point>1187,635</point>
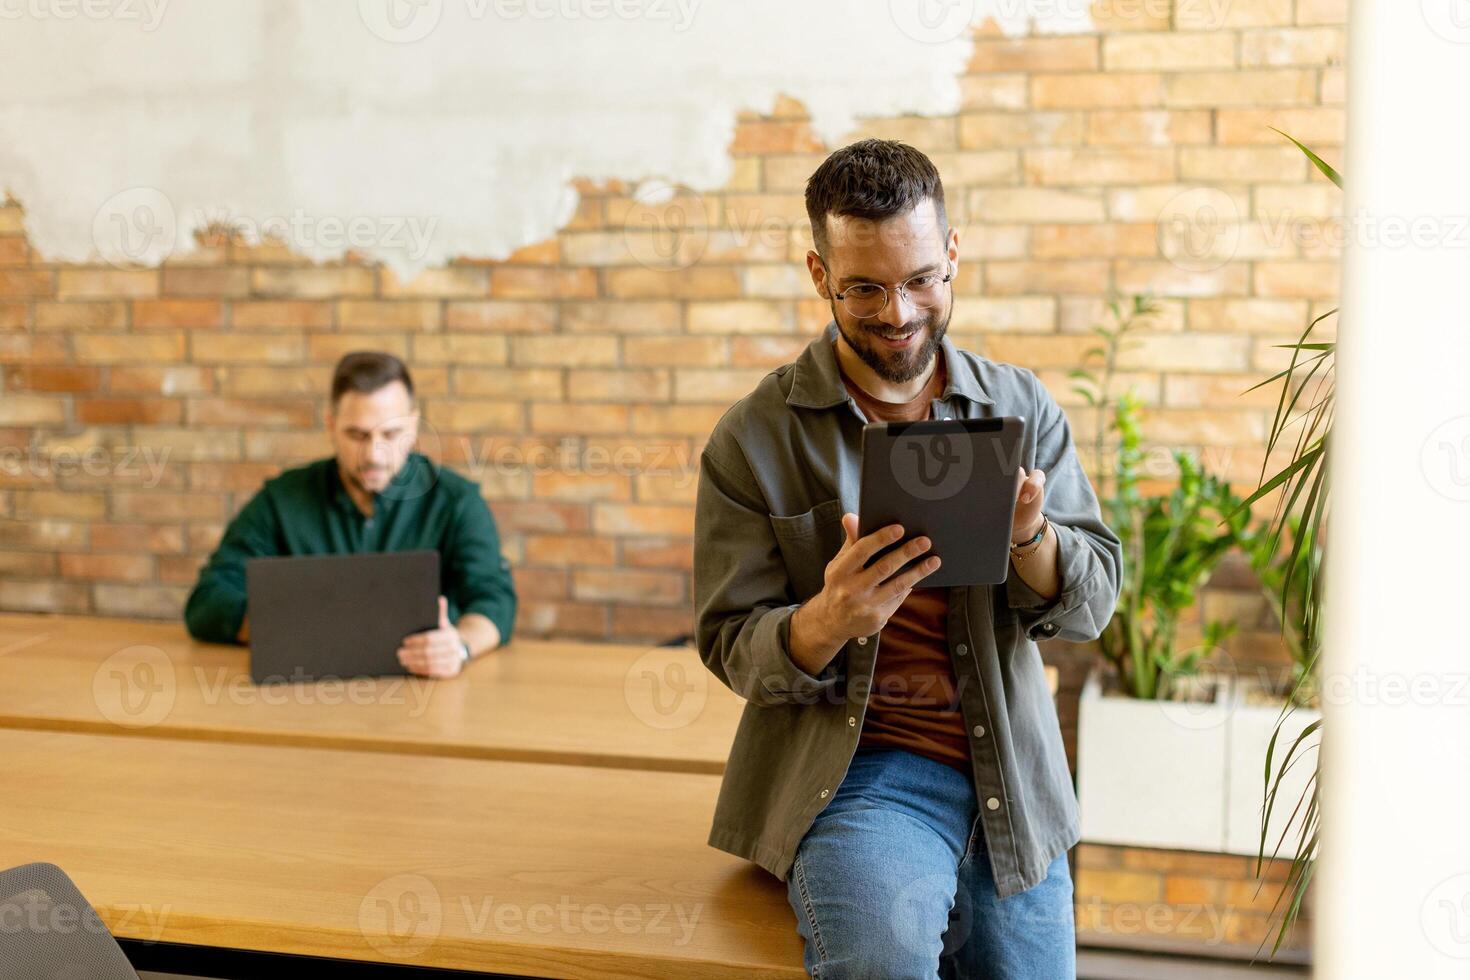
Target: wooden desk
<point>589,704</point>
<point>415,860</point>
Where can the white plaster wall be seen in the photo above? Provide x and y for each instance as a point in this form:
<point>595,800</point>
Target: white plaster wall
<point>417,130</point>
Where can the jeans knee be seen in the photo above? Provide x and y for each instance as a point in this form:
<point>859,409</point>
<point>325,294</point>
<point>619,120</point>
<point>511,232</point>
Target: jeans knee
<point>878,957</point>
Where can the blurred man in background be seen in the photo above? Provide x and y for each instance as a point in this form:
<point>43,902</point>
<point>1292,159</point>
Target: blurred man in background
<point>374,494</point>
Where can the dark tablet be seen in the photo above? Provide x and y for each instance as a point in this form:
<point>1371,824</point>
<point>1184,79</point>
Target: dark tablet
<point>953,480</point>
<point>326,616</point>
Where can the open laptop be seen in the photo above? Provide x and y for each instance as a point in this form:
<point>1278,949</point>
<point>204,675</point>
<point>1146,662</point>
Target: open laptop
<point>328,616</point>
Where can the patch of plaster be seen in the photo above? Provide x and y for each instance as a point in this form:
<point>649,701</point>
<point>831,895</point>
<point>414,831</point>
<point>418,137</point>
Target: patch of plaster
<point>412,131</point>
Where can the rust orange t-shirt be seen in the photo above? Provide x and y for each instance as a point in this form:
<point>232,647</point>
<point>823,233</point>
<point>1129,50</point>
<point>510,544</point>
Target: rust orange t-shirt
<point>914,704</point>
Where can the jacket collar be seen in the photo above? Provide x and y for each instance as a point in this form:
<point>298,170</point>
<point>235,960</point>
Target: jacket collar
<point>817,382</point>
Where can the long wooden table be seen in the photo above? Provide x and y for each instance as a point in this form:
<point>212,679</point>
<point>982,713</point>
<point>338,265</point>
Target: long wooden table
<point>471,864</point>
<point>533,816</point>
<point>587,704</point>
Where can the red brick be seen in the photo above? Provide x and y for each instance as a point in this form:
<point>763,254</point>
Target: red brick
<point>116,567</point>
<point>500,316</point>
<point>26,283</point>
<point>14,250</point>
<point>1035,54</point>
<point>51,597</point>
<point>82,283</point>
<point>210,282</point>
<point>315,282</point>
<point>52,377</point>
<point>541,283</point>
<point>611,518</point>
<point>165,380</point>
<point>569,549</point>
<point>297,413</point>
<point>659,553</point>
<point>177,313</point>
<point>150,601</point>
<point>281,315</point>
<point>74,315</point>
<point>157,539</point>
<point>624,584</point>
<point>224,348</point>
<point>122,411</point>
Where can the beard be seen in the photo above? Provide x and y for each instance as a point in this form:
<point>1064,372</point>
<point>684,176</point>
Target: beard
<point>360,479</point>
<point>896,366</point>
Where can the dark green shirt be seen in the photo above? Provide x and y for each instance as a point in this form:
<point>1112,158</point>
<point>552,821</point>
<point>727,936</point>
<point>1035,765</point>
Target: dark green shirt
<point>307,511</point>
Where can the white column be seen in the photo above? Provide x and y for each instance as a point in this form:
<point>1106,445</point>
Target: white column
<point>1394,882</point>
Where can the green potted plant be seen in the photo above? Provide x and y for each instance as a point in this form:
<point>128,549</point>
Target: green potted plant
<point>1160,705</point>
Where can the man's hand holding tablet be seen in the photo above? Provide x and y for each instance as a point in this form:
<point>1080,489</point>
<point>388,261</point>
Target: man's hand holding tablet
<point>857,601</point>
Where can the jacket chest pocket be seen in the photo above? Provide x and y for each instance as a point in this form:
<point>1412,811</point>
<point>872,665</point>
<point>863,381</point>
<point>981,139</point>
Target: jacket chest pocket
<point>808,542</point>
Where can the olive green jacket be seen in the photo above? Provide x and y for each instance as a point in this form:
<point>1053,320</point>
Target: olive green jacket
<point>778,472</point>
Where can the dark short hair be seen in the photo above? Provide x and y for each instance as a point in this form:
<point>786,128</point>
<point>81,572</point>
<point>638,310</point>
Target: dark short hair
<point>873,179</point>
<point>365,371</point>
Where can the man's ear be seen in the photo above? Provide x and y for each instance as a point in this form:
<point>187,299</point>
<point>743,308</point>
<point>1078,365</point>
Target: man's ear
<point>818,273</point>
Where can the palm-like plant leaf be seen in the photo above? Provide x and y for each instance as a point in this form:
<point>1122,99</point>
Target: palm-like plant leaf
<point>1306,402</point>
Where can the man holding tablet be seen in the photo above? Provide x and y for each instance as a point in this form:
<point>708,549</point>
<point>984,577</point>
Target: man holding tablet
<point>899,763</point>
<point>375,494</point>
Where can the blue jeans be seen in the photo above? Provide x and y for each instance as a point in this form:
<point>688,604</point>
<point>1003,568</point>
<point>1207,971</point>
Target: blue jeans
<point>892,882</point>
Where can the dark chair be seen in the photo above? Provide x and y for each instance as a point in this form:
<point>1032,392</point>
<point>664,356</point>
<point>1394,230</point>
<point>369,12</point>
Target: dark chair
<point>48,931</point>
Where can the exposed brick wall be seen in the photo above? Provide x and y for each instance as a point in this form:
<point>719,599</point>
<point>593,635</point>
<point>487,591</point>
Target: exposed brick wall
<point>612,348</point>
<point>1145,898</point>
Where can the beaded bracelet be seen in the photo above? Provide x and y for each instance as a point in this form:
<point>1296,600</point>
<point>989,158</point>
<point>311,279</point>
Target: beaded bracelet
<point>1020,559</point>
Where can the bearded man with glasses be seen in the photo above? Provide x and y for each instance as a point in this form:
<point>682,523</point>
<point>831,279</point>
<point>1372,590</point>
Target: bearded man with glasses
<point>899,762</point>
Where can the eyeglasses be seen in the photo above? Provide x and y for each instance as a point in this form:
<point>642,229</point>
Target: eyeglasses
<point>867,299</point>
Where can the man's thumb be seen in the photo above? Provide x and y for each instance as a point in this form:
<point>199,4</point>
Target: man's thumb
<point>443,612</point>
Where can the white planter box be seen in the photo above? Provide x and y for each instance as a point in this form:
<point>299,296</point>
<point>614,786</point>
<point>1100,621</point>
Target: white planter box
<point>1180,775</point>
<point>1250,735</point>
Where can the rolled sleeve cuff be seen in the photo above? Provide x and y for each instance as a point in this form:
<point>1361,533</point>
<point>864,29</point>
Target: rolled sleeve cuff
<point>780,676</point>
<point>497,613</point>
<point>1044,618</point>
<point>215,619</point>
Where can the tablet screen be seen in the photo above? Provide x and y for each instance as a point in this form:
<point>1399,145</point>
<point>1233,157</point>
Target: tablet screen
<point>953,480</point>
